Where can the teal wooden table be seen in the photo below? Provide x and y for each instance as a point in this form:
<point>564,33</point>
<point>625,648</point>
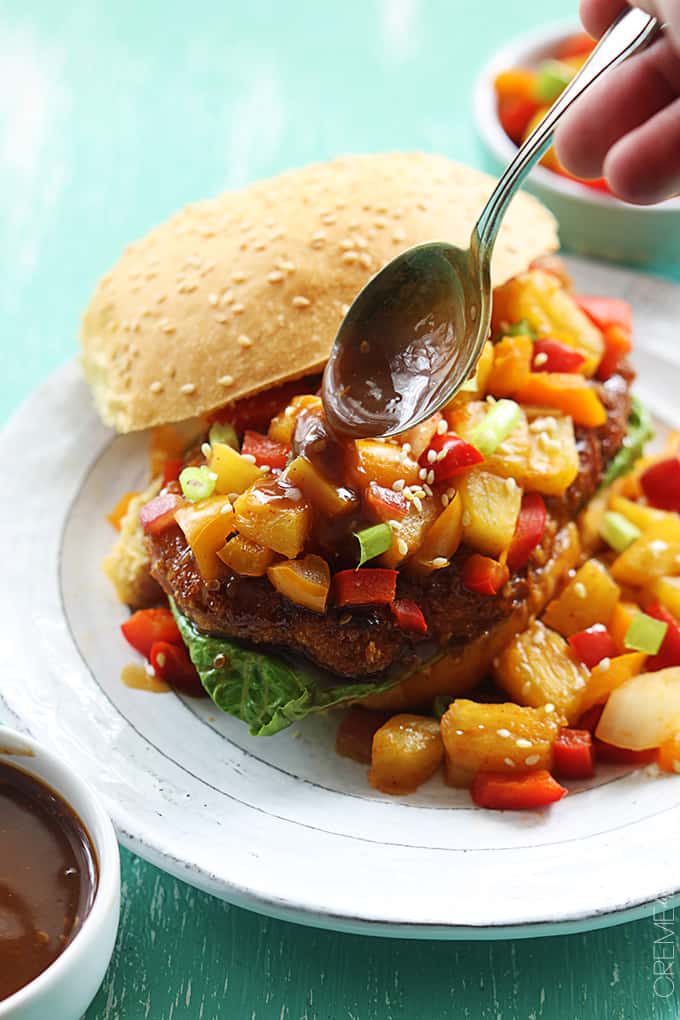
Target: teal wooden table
<point>111,116</point>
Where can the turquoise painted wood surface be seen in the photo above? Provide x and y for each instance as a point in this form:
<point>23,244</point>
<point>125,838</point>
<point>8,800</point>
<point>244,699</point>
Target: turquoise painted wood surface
<point>111,116</point>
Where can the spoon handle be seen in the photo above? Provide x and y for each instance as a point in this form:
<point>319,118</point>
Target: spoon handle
<point>630,32</point>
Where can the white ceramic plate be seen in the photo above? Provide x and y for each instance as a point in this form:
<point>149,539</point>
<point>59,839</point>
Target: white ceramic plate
<point>282,824</point>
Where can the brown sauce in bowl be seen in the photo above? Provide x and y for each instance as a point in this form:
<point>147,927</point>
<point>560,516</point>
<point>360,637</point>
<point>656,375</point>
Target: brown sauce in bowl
<point>48,877</point>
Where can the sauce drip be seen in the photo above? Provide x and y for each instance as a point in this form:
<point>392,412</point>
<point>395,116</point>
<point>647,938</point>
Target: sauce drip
<point>396,347</point>
<point>48,877</point>
<point>136,676</point>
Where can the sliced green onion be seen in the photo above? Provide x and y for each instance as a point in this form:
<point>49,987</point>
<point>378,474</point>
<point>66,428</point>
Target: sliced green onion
<point>618,531</point>
<point>373,541</point>
<point>645,634</point>
<point>640,430</point>
<point>440,704</point>
<point>521,328</point>
<point>495,427</point>
<point>197,483</point>
<point>552,79</point>
<point>223,434</point>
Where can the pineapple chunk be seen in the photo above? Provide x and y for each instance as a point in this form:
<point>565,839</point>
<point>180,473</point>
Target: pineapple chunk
<point>590,521</point>
<point>406,751</point>
<point>386,463</point>
<point>420,436</point>
<point>541,299</point>
<point>305,582</point>
<point>409,532</point>
<point>234,473</point>
<point>331,500</point>
<point>275,523</point>
<point>491,507</point>
<point>552,463</point>
<point>441,540</point>
<point>245,557</point>
<point>655,554</point>
<point>496,738</point>
<point>589,598</point>
<point>537,668</point>
<point>667,591</point>
<point>644,517</point>
<point>475,387</point>
<point>282,426</point>
<point>511,458</point>
<point>610,674</point>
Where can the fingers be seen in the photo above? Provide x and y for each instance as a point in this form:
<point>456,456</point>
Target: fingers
<point>644,166</point>
<point>618,104</point>
<point>597,15</point>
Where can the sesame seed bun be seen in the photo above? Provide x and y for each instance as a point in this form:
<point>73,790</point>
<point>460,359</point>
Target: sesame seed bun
<point>238,293</point>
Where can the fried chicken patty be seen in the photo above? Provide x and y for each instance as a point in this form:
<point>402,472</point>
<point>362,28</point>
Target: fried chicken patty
<point>365,641</point>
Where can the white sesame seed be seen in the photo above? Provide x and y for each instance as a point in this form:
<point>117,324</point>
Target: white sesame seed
<point>510,484</point>
<point>276,276</point>
<point>532,759</point>
<point>430,477</point>
<point>442,427</point>
<point>398,486</point>
<point>441,455</point>
<point>249,457</point>
<point>206,449</point>
<point>300,302</point>
<point>239,277</point>
<point>509,762</point>
<point>428,490</point>
<point>244,341</point>
<point>156,386</point>
<point>522,742</point>
<point>445,500</point>
<point>238,308</point>
<point>406,449</point>
<point>422,474</point>
<point>604,664</point>
<point>540,359</point>
<point>439,562</point>
<point>580,590</point>
<point>417,502</point>
<point>350,256</point>
<point>187,389</point>
<point>402,547</point>
<point>226,380</point>
<point>549,708</point>
<point>503,733</point>
<point>431,456</point>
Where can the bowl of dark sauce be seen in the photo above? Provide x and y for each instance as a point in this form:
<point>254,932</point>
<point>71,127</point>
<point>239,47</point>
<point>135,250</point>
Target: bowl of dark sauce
<point>59,885</point>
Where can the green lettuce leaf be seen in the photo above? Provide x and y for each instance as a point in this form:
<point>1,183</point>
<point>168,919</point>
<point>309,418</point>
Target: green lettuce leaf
<point>263,690</point>
<point>640,431</point>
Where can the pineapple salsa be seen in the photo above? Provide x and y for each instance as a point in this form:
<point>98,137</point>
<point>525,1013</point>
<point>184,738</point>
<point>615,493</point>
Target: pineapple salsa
<point>486,490</point>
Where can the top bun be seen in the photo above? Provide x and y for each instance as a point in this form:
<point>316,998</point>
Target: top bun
<point>241,292</point>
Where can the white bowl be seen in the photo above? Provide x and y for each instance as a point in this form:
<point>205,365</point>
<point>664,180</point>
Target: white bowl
<point>591,222</point>
<point>68,986</point>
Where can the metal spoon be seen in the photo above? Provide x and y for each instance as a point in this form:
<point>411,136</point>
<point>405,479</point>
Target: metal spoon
<point>415,332</point>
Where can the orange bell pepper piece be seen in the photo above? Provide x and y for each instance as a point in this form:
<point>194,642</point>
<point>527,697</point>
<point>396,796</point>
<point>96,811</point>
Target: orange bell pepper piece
<point>511,366</point>
<point>516,81</point>
<point>567,392</point>
<point>120,510</point>
<point>616,671</point>
<point>617,343</point>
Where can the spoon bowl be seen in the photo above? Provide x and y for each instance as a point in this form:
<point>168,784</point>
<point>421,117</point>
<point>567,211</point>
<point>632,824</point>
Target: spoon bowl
<point>416,331</point>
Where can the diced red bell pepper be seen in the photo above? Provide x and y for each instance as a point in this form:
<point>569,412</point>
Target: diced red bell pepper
<point>173,664</point>
<point>365,587</point>
<point>484,575</point>
<point>515,113</point>
<point>605,311</point>
<point>552,356</point>
<point>621,755</point>
<point>593,645</point>
<point>661,484</point>
<point>518,792</point>
<point>147,626</point>
<point>384,503</point>
<point>172,470</point>
<point>159,513</point>
<point>529,530</point>
<point>267,452</point>
<point>590,718</point>
<point>452,457</point>
<point>576,45</point>
<point>617,344</point>
<point>573,756</point>
<point>257,411</point>
<point>409,616</point>
<point>669,653</point>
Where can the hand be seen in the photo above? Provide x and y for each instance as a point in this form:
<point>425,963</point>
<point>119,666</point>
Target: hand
<point>626,127</point>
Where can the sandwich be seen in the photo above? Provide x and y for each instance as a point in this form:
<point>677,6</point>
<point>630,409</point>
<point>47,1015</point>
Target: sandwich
<point>304,571</point>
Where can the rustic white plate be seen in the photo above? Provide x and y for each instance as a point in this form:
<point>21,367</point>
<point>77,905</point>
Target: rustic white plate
<point>281,824</point>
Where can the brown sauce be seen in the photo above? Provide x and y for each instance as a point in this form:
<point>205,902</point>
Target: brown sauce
<point>135,676</point>
<point>48,877</point>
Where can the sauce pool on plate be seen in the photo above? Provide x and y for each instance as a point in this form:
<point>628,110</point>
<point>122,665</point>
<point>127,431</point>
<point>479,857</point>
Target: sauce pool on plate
<point>48,877</point>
